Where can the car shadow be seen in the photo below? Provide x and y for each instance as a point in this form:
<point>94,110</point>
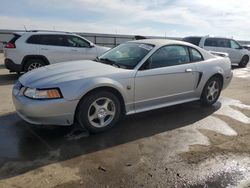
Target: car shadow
<point>25,147</point>
<point>8,79</point>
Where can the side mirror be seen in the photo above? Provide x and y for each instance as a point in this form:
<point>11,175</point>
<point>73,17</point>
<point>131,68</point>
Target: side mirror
<point>91,45</point>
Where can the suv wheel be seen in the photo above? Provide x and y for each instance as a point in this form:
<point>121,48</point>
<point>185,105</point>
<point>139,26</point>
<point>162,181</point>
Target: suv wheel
<point>33,64</point>
<point>99,111</point>
<point>244,61</point>
<point>211,91</point>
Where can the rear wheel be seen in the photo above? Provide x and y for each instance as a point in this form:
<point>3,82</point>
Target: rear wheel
<point>99,111</point>
<point>33,64</point>
<point>244,61</point>
<point>211,91</point>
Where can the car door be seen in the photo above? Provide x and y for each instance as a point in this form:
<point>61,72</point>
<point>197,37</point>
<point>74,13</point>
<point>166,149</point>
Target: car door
<point>80,48</point>
<point>52,46</point>
<point>167,76</point>
<point>234,51</point>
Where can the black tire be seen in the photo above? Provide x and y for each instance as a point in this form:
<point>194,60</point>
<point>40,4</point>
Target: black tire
<point>33,64</point>
<point>244,61</point>
<point>86,106</point>
<point>206,98</point>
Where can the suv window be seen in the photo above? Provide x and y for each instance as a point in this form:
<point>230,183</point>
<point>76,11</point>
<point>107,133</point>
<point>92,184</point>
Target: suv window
<point>169,56</point>
<point>234,44</point>
<point>193,40</point>
<point>224,43</point>
<point>34,39</point>
<point>195,55</point>
<point>74,41</point>
<point>53,40</point>
<point>211,42</point>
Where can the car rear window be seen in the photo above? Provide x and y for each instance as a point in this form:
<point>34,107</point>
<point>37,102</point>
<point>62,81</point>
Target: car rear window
<point>193,40</point>
<point>14,38</point>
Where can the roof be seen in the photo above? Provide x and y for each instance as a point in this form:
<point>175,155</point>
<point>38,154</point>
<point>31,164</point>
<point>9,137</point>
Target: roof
<point>161,42</point>
<point>42,32</point>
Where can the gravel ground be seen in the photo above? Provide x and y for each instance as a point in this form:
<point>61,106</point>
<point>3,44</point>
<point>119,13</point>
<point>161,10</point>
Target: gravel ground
<point>180,146</point>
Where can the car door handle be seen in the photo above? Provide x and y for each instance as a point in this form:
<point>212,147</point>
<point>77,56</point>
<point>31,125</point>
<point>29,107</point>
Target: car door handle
<point>44,48</point>
<point>189,70</point>
<point>73,50</point>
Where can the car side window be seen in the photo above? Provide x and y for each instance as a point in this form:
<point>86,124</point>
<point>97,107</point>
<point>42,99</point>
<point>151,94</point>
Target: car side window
<point>169,56</point>
<point>74,41</point>
<point>223,43</point>
<point>195,55</point>
<point>193,40</point>
<point>52,40</point>
<point>234,44</point>
<point>211,42</point>
<point>34,39</point>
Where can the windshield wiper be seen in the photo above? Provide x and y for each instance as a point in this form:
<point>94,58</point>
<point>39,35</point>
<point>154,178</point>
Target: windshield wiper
<point>108,61</point>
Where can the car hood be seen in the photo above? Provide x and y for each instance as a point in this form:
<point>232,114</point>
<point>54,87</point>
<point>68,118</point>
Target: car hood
<point>52,75</point>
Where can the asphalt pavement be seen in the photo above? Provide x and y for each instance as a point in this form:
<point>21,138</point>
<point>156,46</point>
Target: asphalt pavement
<point>180,146</point>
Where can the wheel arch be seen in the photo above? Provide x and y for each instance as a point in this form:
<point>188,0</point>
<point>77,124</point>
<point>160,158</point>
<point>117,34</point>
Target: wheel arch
<point>28,57</point>
<point>111,89</point>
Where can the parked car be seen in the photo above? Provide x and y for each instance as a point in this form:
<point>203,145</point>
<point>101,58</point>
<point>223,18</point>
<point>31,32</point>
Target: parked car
<point>237,54</point>
<point>30,50</point>
<point>133,77</point>
<point>246,46</point>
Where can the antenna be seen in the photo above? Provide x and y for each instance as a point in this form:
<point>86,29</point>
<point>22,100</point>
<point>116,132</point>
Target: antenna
<point>25,28</point>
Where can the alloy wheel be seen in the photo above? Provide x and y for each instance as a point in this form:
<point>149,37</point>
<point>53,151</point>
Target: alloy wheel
<point>34,66</point>
<point>212,91</point>
<point>101,112</point>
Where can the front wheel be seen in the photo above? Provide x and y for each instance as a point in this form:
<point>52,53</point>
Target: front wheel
<point>99,111</point>
<point>211,91</point>
<point>244,61</point>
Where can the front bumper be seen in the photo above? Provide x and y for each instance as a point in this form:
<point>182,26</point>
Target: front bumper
<point>44,112</point>
<point>13,67</point>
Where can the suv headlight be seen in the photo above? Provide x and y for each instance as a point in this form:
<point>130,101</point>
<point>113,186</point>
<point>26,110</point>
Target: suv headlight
<point>34,93</point>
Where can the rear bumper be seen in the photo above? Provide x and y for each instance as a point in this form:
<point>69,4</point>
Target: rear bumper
<point>13,67</point>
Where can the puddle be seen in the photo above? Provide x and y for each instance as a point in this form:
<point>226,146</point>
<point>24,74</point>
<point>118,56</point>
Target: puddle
<point>76,134</point>
<point>224,179</point>
<point>228,110</point>
<point>242,72</point>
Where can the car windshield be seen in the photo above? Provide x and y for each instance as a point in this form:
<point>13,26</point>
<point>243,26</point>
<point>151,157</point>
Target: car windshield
<point>126,55</point>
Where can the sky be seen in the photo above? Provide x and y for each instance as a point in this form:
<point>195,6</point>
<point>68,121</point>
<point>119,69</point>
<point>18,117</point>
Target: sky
<point>173,18</point>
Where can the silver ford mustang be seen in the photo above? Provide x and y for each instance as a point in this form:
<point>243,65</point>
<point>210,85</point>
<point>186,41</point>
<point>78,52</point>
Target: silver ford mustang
<point>133,77</point>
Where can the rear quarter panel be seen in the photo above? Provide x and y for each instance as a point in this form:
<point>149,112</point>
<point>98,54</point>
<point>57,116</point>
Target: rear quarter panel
<point>210,67</point>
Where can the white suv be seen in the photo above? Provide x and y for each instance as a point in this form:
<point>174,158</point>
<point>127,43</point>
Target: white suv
<point>30,50</point>
<point>237,54</point>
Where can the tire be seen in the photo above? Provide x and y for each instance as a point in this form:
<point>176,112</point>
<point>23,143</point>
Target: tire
<point>210,96</point>
<point>98,111</point>
<point>244,61</point>
<point>33,64</point>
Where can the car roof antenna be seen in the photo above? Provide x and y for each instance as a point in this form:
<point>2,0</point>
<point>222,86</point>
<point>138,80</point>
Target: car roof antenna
<point>25,28</point>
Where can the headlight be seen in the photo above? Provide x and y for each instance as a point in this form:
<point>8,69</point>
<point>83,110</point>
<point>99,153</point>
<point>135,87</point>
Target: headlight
<point>42,93</point>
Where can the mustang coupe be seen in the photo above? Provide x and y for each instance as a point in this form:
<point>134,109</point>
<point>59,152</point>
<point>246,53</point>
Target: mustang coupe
<point>133,77</point>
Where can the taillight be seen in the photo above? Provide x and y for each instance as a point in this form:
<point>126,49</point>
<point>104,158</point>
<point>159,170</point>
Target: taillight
<point>10,45</point>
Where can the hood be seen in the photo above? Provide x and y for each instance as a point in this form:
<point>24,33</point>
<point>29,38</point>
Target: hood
<point>51,75</point>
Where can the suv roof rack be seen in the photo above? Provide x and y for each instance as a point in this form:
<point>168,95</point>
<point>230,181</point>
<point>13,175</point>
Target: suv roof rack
<point>48,31</point>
